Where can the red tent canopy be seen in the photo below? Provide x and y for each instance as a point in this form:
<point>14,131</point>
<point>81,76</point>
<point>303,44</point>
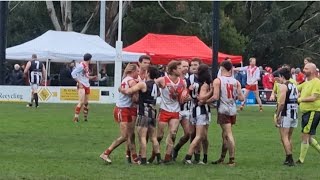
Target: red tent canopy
<point>164,48</point>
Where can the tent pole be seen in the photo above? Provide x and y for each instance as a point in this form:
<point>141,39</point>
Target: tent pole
<point>98,67</point>
<point>118,60</point>
<point>103,20</point>
<point>120,21</point>
<point>49,67</point>
<point>47,72</point>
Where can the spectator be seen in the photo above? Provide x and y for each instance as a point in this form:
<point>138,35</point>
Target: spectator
<point>261,76</point>
<point>72,65</point>
<point>267,79</point>
<point>299,76</point>
<point>65,75</point>
<point>16,76</point>
<point>238,76</point>
<point>241,76</point>
<point>103,78</point>
<point>307,60</point>
<point>293,74</point>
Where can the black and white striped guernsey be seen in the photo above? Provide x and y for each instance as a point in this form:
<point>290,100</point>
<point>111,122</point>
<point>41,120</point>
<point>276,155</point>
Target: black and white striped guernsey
<point>149,98</point>
<point>35,72</point>
<point>290,108</point>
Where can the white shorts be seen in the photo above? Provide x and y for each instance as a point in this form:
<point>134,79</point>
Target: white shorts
<point>288,122</point>
<point>192,120</point>
<point>34,87</point>
<point>184,115</point>
<point>203,119</point>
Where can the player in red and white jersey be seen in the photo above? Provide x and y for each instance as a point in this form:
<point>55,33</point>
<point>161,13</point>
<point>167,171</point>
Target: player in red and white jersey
<point>122,114</point>
<point>81,74</point>
<point>226,90</point>
<point>184,113</point>
<point>146,122</point>
<point>171,87</point>
<point>253,76</point>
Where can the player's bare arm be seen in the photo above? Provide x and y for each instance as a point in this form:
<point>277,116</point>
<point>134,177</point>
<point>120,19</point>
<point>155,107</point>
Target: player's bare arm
<point>141,86</point>
<point>205,93</point>
<point>236,69</point>
<point>135,96</point>
<point>93,77</point>
<point>216,91</point>
<point>160,82</point>
<point>239,92</point>
<point>274,92</point>
<point>282,99</point>
<point>26,70</point>
<point>44,73</point>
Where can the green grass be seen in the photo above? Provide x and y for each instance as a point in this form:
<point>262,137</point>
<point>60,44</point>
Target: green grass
<point>45,144</point>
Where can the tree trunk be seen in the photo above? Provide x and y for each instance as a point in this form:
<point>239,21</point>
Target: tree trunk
<point>113,19</point>
<point>62,10</point>
<point>88,23</point>
<point>68,16</point>
<point>53,15</point>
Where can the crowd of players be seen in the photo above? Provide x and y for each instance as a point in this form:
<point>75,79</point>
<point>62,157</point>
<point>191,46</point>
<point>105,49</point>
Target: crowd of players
<point>185,100</point>
<point>187,96</point>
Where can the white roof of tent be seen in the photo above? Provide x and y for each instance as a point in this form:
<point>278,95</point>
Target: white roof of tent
<point>64,46</point>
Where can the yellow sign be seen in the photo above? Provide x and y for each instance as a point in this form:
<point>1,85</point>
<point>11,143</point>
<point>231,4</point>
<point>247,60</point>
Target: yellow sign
<point>94,95</point>
<point>44,94</point>
<point>68,94</point>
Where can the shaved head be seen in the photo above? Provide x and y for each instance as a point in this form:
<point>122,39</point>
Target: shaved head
<point>312,66</point>
<point>310,70</point>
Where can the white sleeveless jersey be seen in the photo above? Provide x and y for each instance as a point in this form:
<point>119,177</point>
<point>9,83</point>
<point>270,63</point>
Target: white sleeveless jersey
<point>81,72</point>
<point>253,74</point>
<point>170,94</point>
<point>228,95</point>
<point>124,100</point>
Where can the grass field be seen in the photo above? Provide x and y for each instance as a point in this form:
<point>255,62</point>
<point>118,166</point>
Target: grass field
<point>45,144</point>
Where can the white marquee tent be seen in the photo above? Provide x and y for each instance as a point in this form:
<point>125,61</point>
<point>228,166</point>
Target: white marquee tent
<point>62,46</point>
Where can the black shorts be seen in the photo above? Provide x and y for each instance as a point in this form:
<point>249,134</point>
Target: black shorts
<point>147,117</point>
<point>310,121</point>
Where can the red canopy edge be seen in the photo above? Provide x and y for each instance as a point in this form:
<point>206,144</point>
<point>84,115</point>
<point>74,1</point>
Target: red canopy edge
<point>164,48</point>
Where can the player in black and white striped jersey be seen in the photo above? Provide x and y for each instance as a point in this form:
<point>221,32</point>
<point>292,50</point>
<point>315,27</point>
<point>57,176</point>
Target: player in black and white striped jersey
<point>201,114</point>
<point>287,112</point>
<point>35,71</point>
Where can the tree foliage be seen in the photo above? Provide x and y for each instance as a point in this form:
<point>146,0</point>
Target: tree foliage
<point>274,32</point>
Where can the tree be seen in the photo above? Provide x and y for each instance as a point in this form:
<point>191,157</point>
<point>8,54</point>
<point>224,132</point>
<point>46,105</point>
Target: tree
<point>26,21</point>
<point>65,22</point>
<point>184,18</point>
